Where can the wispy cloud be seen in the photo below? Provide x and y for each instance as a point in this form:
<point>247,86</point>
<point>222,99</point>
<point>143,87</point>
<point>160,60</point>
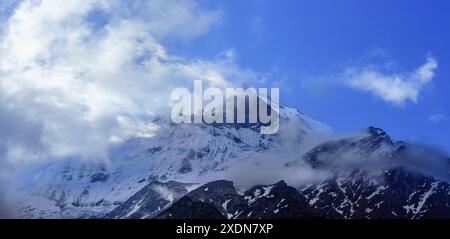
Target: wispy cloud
<point>395,88</point>
<point>435,118</point>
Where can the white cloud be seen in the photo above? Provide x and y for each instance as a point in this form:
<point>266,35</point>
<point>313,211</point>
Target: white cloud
<point>88,73</point>
<point>435,118</point>
<point>393,88</point>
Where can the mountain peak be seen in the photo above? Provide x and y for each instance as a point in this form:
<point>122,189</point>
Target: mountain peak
<point>376,131</point>
<point>281,183</point>
<point>379,136</point>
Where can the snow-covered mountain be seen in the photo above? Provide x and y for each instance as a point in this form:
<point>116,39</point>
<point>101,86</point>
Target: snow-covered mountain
<point>360,190</point>
<point>191,153</point>
<point>363,175</point>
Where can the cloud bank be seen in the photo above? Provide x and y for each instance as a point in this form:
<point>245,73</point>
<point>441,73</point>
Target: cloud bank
<point>78,76</point>
<point>397,89</point>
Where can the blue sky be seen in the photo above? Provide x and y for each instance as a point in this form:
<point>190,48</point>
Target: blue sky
<point>306,46</point>
<point>91,80</point>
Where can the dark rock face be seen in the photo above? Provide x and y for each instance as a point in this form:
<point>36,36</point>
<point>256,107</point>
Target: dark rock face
<point>149,201</point>
<point>271,201</point>
<point>99,177</point>
<point>186,166</point>
<point>325,154</point>
<point>276,202</point>
<point>186,208</point>
<point>356,192</point>
<point>220,194</point>
<point>395,194</point>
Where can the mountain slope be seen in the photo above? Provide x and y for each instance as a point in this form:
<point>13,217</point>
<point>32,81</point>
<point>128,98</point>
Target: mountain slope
<point>185,153</point>
<point>416,198</point>
<point>362,175</point>
<point>368,179</point>
<point>150,200</point>
<point>262,201</point>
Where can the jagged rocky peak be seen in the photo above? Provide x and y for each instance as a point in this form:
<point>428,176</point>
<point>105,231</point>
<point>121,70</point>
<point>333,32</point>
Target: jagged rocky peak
<point>276,201</point>
<point>379,136</point>
<point>305,124</point>
<point>150,200</point>
<point>280,183</point>
<point>222,194</point>
<point>376,131</point>
<point>219,188</point>
<point>374,141</point>
<point>186,208</point>
<point>263,190</point>
<point>262,201</point>
<point>395,194</point>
